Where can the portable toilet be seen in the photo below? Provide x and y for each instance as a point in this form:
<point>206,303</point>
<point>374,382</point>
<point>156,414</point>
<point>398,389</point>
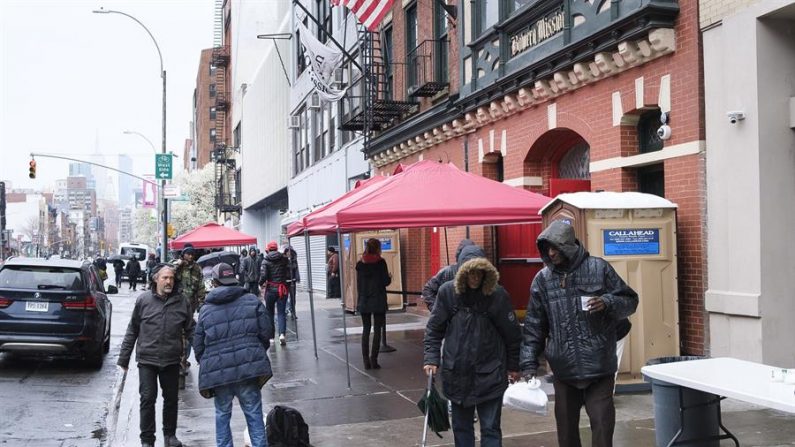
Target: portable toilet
<point>390,252</point>
<point>636,233</point>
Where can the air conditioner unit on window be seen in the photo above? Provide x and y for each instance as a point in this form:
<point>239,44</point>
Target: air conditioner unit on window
<point>339,78</point>
<point>295,122</point>
<point>314,101</point>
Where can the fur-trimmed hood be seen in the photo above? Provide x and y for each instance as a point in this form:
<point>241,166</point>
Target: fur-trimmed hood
<point>490,276</point>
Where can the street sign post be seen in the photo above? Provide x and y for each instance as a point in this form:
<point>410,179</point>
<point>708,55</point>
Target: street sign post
<point>163,166</point>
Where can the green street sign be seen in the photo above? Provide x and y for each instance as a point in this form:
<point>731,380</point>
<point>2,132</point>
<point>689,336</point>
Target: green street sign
<point>163,166</point>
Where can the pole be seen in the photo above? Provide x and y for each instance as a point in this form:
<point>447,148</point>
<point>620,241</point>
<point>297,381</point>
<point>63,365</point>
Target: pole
<point>309,284</point>
<point>161,192</point>
<point>342,298</point>
<point>36,154</point>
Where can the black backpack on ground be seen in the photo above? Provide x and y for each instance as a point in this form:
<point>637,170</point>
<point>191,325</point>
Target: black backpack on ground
<point>286,428</point>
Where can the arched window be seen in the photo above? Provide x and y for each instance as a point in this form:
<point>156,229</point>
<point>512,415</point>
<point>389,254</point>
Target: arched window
<point>575,164</point>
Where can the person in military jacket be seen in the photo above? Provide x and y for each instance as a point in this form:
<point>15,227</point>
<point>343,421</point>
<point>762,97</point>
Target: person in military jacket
<point>189,282</point>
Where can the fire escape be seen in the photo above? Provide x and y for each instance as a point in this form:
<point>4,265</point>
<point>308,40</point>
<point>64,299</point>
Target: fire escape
<point>369,102</point>
<point>227,195</point>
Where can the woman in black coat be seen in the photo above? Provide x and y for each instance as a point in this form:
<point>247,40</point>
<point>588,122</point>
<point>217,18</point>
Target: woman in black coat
<point>372,277</point>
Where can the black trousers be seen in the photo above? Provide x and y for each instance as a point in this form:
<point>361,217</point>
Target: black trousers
<point>597,397</point>
<point>147,388</point>
<point>377,322</point>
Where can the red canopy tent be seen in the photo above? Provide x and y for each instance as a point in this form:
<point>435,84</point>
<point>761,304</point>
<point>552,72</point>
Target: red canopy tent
<point>324,220</point>
<point>212,235</point>
<point>433,194</point>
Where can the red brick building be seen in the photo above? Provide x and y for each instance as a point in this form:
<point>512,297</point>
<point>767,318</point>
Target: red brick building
<point>552,96</point>
<point>204,113</point>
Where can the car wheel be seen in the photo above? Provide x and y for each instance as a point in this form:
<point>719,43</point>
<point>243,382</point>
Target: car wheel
<point>95,357</point>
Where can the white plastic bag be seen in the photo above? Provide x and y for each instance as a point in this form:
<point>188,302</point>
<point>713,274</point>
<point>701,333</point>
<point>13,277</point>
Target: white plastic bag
<point>526,396</point>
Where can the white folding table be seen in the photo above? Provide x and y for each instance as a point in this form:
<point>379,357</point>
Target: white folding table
<point>725,377</point>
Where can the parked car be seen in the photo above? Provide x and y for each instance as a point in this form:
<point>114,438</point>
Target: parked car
<point>55,306</point>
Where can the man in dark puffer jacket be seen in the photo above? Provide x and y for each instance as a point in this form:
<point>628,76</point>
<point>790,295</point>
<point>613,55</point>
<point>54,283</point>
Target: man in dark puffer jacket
<point>580,345</point>
<point>474,316</point>
<point>231,345</point>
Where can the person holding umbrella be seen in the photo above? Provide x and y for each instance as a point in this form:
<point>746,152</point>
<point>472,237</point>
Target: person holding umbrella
<point>475,318</point>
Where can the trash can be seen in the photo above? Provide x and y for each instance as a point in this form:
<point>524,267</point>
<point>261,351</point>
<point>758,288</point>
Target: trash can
<point>701,417</point>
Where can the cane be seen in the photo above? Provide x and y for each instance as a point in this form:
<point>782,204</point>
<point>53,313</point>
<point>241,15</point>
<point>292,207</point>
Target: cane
<point>424,442</point>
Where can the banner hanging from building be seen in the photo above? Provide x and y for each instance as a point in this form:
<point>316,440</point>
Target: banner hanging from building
<point>149,197</point>
<point>322,62</point>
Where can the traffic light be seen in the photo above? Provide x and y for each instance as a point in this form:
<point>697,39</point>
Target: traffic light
<point>32,173</point>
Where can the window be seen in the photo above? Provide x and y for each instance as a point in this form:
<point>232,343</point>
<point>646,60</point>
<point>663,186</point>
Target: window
<point>515,5</point>
<point>301,143</point>
<point>212,135</point>
<point>300,58</point>
<point>411,44</point>
<point>319,127</point>
<point>236,135</point>
<point>323,14</point>
<point>212,113</point>
<point>212,90</point>
<point>648,140</point>
<point>651,179</point>
<point>488,14</point>
<point>332,131</point>
<point>441,48</point>
<point>389,74</point>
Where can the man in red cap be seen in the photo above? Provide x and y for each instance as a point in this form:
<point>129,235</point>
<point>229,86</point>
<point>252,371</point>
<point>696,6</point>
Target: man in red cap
<point>273,278</point>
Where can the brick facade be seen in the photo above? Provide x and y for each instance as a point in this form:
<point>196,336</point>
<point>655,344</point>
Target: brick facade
<point>536,137</point>
<point>203,103</point>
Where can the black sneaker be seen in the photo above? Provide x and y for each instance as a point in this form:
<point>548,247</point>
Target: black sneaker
<point>172,441</point>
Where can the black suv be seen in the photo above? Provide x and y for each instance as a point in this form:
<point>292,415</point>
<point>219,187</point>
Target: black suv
<point>54,306</point>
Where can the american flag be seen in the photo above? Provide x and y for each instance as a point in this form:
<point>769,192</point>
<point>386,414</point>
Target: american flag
<point>369,12</point>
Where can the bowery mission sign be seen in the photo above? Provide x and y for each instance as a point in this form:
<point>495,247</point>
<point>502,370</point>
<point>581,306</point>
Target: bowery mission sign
<point>542,29</point>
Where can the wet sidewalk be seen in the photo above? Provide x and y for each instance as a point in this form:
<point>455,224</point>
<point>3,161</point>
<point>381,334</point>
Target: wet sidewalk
<point>380,406</point>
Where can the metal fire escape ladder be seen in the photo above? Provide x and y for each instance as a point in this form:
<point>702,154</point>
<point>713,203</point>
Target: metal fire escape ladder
<point>227,198</point>
<point>372,109</point>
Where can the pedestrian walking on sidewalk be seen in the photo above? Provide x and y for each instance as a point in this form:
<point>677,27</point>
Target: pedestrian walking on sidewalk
<point>133,271</point>
<point>118,271</point>
<point>333,273</point>
<point>294,278</point>
<point>474,317</point>
<point>189,282</point>
<point>576,304</point>
<point>372,277</point>
<point>250,271</point>
<point>231,344</point>
<point>160,319</point>
<point>273,278</point>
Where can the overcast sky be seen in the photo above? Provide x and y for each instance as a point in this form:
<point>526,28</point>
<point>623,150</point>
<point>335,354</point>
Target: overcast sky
<point>72,81</point>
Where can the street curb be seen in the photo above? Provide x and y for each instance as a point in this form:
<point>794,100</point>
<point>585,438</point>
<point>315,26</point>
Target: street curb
<point>114,404</point>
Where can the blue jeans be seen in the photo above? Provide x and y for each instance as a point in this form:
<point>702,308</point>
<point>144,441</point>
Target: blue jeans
<point>489,412</point>
<point>272,301</point>
<point>248,394</point>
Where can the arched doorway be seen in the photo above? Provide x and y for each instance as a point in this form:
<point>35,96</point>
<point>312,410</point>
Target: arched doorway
<point>561,158</point>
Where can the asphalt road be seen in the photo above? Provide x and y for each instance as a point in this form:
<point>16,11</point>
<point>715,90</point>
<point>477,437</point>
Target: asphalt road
<point>50,401</point>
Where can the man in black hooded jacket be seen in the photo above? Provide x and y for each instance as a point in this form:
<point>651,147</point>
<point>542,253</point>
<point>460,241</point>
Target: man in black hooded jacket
<point>580,345</point>
<point>447,273</point>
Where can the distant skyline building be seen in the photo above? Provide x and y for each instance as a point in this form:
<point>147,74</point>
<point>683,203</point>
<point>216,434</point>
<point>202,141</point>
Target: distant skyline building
<point>127,184</point>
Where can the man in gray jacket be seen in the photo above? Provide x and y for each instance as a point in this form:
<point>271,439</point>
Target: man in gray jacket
<point>160,320</point>
<point>447,273</point>
<point>576,304</point>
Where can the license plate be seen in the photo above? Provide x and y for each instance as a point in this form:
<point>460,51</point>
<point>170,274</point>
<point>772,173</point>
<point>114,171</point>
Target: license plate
<point>36,306</point>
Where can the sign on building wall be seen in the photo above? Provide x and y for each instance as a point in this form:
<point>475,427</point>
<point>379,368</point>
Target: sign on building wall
<point>537,32</point>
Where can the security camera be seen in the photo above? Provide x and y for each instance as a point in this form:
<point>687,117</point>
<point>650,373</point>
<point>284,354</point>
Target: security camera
<point>664,132</point>
<point>735,116</point>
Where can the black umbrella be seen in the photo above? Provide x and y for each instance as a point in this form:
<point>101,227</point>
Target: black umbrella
<point>218,257</point>
<point>118,257</point>
<point>434,406</point>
